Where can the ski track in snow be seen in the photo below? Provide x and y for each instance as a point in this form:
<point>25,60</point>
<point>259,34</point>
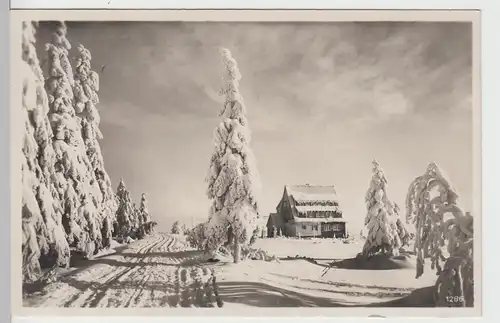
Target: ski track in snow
<point>155,272</point>
<point>161,271</point>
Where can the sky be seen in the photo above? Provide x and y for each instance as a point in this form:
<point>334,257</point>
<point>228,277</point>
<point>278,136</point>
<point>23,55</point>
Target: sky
<point>323,100</point>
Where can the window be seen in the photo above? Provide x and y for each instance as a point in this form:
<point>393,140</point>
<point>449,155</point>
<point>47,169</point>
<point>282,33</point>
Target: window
<point>304,227</point>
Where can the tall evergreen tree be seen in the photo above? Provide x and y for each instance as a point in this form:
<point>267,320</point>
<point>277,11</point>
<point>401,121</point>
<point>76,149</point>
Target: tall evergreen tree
<point>136,219</point>
<point>44,241</point>
<point>34,230</point>
<point>125,212</point>
<point>86,99</point>
<point>233,179</point>
<point>146,217</point>
<point>380,218</point>
<point>76,185</point>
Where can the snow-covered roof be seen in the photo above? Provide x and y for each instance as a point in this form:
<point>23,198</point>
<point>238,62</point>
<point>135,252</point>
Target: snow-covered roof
<point>275,219</point>
<point>312,193</point>
<point>319,220</point>
<point>317,208</point>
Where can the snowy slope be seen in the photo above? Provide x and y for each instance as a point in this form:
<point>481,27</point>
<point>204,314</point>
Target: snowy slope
<point>160,271</point>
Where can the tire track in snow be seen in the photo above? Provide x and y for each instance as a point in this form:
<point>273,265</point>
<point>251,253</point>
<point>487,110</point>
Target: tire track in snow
<point>135,295</point>
<point>122,277</point>
<point>100,292</point>
<point>144,273</point>
<point>161,271</point>
<point>96,281</point>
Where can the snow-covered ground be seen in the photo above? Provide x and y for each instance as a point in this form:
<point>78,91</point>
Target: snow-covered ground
<point>161,271</point>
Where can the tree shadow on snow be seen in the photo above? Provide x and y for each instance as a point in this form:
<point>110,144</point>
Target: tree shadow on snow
<point>32,288</point>
<point>377,262</point>
<point>263,295</point>
<point>99,290</point>
<point>421,297</point>
<point>353,293</point>
<point>129,264</point>
<point>83,264</point>
<point>345,284</point>
<point>166,254</point>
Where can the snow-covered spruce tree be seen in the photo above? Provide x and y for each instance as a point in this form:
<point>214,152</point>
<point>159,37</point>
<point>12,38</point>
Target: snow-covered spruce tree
<point>404,235</point>
<point>141,230</point>
<point>153,225</point>
<point>233,179</point>
<point>76,184</point>
<point>35,236</point>
<point>40,156</point>
<point>137,223</point>
<point>380,219</point>
<point>196,236</point>
<point>431,198</point>
<point>133,221</point>
<point>125,211</point>
<point>177,228</point>
<point>86,99</point>
<point>146,217</point>
<point>114,231</point>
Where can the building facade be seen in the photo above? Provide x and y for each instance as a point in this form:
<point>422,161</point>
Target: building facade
<point>307,211</point>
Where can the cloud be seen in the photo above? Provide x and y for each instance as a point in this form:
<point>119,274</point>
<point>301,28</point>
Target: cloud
<point>323,99</point>
<point>389,101</point>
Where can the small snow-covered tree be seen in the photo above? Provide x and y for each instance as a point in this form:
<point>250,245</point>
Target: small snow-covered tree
<point>196,236</point>
<point>177,228</point>
<point>404,235</point>
<point>444,233</point>
<point>138,225</point>
<point>125,212</point>
<point>86,99</point>
<point>135,219</point>
<point>380,219</point>
<point>146,217</point>
<point>233,179</point>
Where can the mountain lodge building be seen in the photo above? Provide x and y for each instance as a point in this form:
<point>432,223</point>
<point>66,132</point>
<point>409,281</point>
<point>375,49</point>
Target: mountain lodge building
<point>307,211</point>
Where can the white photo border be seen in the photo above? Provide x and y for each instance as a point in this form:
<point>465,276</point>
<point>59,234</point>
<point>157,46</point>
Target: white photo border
<point>490,67</point>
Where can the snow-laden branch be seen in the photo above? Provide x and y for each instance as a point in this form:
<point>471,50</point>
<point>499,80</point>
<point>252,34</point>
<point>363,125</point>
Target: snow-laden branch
<point>444,233</point>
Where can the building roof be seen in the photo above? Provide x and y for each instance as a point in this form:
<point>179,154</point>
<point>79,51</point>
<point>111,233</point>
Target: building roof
<point>276,220</point>
<point>319,220</point>
<point>312,193</point>
<point>317,208</point>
